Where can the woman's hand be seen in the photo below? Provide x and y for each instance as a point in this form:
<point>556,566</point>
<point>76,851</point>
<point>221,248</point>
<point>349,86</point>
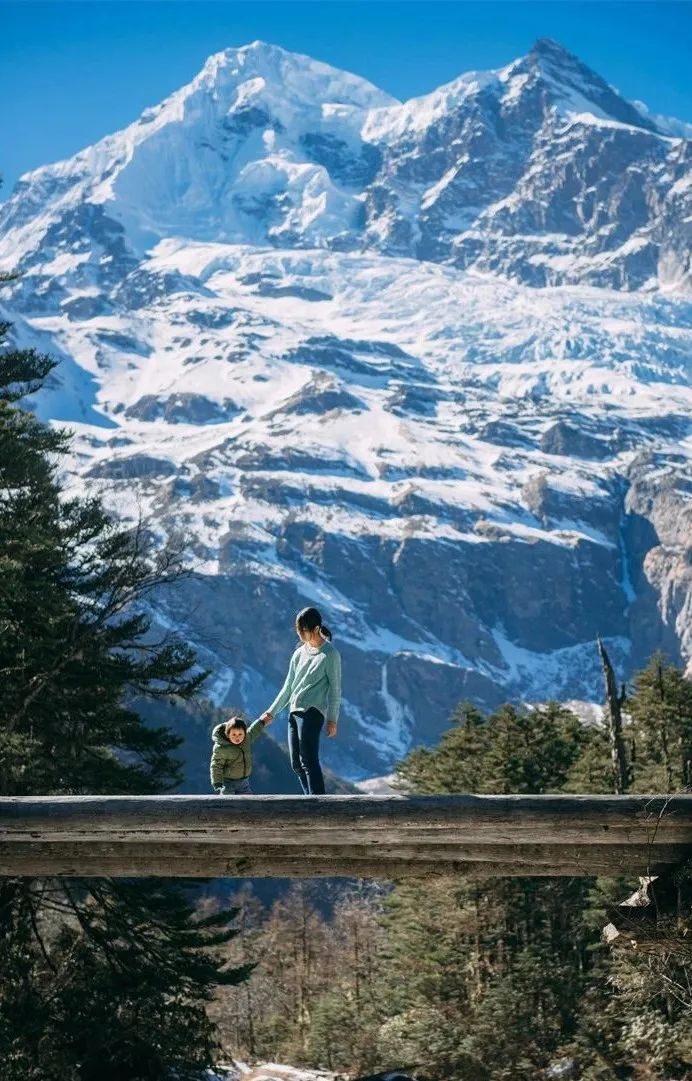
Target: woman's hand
<point>331,728</point>
<point>266,717</point>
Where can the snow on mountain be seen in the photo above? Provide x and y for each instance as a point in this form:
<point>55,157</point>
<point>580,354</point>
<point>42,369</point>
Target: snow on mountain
<point>667,125</point>
<point>539,171</point>
<point>234,155</point>
<point>426,365</point>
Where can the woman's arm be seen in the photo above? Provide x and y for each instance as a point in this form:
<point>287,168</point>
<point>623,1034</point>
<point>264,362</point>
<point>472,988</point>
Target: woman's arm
<point>334,699</point>
<point>284,694</point>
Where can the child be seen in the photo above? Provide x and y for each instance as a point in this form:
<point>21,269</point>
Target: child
<point>231,757</point>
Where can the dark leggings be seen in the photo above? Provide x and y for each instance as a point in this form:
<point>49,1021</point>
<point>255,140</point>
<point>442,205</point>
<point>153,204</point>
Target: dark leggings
<point>304,727</point>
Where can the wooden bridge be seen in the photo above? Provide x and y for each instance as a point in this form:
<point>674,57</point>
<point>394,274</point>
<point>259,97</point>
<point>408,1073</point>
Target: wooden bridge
<point>382,837</point>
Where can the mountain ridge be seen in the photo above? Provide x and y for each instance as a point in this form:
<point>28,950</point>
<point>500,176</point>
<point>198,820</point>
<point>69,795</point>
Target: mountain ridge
<point>268,146</point>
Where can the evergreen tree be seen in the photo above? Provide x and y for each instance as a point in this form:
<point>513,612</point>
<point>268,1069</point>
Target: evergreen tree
<point>312,996</point>
<point>496,966</point>
<point>100,978</point>
<point>348,1012</point>
<point>236,1010</point>
<point>661,710</point>
<point>511,973</point>
<point>513,750</point>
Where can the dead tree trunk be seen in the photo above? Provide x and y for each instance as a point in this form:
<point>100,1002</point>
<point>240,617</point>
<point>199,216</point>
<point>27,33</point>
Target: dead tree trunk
<point>614,703</point>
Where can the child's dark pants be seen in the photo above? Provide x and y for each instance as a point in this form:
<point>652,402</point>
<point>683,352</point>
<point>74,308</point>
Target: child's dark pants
<point>304,727</point>
<point>237,788</point>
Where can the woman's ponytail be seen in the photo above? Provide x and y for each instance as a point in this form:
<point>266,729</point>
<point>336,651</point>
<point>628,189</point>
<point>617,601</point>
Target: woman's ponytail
<point>309,619</point>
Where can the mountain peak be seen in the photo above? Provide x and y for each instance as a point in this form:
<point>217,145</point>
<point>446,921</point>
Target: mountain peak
<point>259,46</point>
<point>290,73</point>
<point>254,56</point>
<point>548,48</point>
<point>255,52</point>
<point>569,78</point>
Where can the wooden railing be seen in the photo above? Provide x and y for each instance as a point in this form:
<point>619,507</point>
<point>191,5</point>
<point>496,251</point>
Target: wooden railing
<point>383,837</point>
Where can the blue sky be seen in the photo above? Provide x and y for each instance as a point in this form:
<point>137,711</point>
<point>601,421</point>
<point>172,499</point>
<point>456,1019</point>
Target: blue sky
<point>72,71</point>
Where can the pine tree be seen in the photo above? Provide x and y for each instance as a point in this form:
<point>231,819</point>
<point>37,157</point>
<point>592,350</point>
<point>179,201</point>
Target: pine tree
<point>661,709</point>
<point>311,999</point>
<point>124,964</point>
<point>614,700</point>
<point>295,945</point>
<point>513,750</point>
<point>495,967</point>
<point>236,1010</point>
<point>347,1014</point>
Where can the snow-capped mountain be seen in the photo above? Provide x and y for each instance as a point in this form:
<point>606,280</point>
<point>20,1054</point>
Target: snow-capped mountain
<point>426,365</point>
<point>539,170</point>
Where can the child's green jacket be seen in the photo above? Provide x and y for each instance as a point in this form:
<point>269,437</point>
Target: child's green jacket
<point>232,761</point>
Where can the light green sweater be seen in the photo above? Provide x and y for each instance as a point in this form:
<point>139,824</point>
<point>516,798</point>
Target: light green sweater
<point>313,680</point>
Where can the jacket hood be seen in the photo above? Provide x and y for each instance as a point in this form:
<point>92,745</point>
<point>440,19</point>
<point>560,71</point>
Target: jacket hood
<point>218,734</point>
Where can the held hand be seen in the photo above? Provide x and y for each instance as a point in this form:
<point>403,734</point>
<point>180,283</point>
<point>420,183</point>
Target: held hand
<point>331,728</point>
<point>266,717</point>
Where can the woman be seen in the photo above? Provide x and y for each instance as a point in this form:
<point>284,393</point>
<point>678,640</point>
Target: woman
<point>312,691</point>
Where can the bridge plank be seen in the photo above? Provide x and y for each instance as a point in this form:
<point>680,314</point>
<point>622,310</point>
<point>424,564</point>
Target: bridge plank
<point>361,836</point>
<point>564,817</point>
<point>191,859</point>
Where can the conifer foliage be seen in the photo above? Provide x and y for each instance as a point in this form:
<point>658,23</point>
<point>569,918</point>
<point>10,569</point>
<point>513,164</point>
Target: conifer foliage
<point>661,710</point>
<point>100,979</point>
<point>487,980</point>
